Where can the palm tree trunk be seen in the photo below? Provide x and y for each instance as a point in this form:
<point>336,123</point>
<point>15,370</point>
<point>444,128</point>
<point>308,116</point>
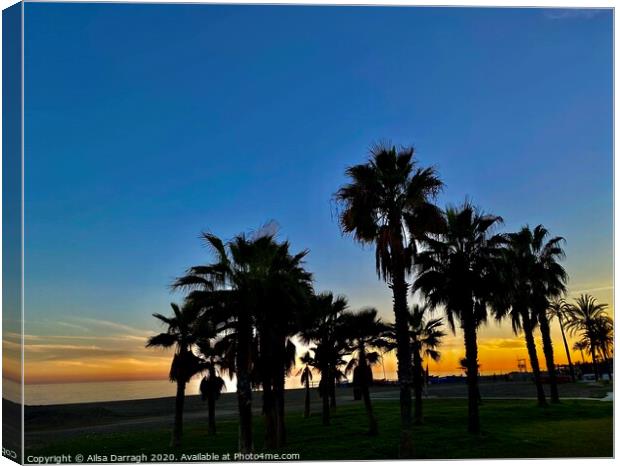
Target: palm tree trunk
<point>471,354</point>
<point>244,388</point>
<point>177,432</point>
<point>211,403</point>
<point>403,348</point>
<point>269,413</point>
<point>594,363</point>
<point>279,398</point>
<point>548,351</point>
<point>531,350</point>
<point>268,364</point>
<point>332,389</point>
<point>324,393</point>
<point>417,386</point>
<point>373,428</point>
<point>211,399</point>
<point>570,362</point>
<point>307,400</point>
<point>404,371</point>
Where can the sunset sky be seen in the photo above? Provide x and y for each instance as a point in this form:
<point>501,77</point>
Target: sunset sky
<point>146,124</point>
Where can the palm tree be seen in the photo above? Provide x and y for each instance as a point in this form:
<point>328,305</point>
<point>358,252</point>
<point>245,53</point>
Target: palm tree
<point>365,336</point>
<point>600,337</point>
<point>425,336</point>
<point>251,288</point>
<point>214,363</point>
<point>581,346</point>
<point>583,315</point>
<point>306,378</point>
<point>283,299</point>
<point>456,271</point>
<point>185,364</point>
<point>386,196</point>
<point>225,286</point>
<point>549,282</point>
<point>559,309</point>
<point>603,334</point>
<point>323,327</point>
<point>522,300</point>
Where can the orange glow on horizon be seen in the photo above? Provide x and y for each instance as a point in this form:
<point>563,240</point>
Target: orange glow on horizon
<point>496,355</point>
<point>116,352</point>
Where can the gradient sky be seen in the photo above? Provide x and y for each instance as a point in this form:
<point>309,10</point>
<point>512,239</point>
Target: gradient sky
<point>146,124</point>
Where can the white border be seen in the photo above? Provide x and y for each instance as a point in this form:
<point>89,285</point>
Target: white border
<point>471,3</point>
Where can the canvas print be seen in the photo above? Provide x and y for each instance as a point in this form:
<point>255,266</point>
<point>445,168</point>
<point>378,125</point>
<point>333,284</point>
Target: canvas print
<point>302,233</point>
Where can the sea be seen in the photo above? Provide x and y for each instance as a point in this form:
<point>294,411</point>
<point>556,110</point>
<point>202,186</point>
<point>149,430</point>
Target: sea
<point>87,392</point>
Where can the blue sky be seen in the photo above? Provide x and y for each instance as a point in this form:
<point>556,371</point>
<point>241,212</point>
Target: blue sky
<point>146,124</point>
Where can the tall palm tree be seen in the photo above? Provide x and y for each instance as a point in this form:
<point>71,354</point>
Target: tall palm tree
<point>365,333</point>
<point>226,286</point>
<point>386,197</point>
<point>456,271</point>
<point>283,300</point>
<point>522,296</point>
<point>549,282</point>
<point>254,286</point>
<point>323,327</point>
<point>306,378</point>
<point>185,364</point>
<point>559,309</point>
<point>583,315</point>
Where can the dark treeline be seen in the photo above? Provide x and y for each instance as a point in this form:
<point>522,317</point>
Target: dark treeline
<point>244,308</point>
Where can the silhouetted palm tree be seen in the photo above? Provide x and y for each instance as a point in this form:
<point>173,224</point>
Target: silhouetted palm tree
<point>425,336</point>
<point>227,286</point>
<point>253,287</point>
<point>283,299</point>
<point>338,376</point>
<point>583,315</point>
<point>287,359</point>
<point>323,328</point>
<point>549,282</point>
<point>559,309</point>
<point>214,364</point>
<point>581,346</point>
<point>603,334</point>
<point>457,271</point>
<point>386,196</point>
<point>185,364</point>
<point>600,337</point>
<point>364,335</point>
<point>306,378</point>
<point>522,300</point>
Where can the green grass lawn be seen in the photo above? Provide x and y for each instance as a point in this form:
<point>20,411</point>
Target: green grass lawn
<point>510,429</point>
